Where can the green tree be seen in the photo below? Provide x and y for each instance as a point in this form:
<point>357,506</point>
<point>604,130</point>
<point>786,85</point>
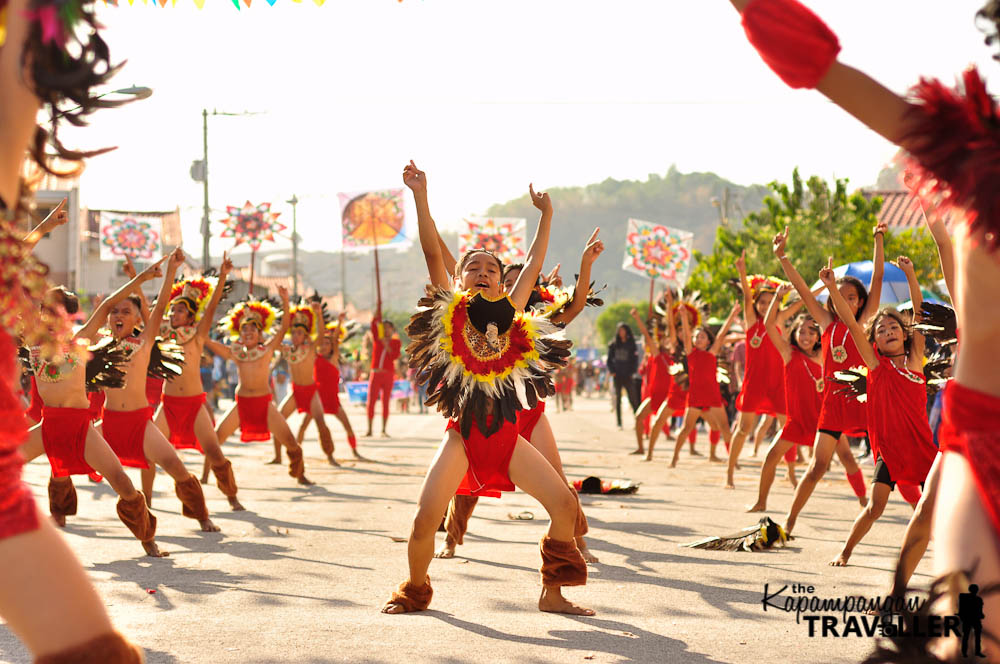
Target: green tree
<point>607,321</point>
<point>822,222</point>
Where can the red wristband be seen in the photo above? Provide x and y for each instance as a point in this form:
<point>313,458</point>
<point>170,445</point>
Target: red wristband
<point>791,40</point>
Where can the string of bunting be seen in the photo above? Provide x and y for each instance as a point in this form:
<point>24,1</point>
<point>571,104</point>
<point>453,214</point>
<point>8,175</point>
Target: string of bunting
<point>200,4</point>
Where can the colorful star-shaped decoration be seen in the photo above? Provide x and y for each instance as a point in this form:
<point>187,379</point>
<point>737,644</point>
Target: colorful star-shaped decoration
<point>131,237</point>
<point>252,224</point>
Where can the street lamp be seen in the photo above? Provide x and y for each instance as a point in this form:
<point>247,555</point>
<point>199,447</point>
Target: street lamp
<point>293,201</point>
<point>199,173</point>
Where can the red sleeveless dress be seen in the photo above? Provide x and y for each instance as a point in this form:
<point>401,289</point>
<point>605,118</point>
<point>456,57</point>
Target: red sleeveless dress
<point>763,390</point>
<point>897,422</point>
<point>840,412</point>
<point>703,391</point>
<point>804,387</point>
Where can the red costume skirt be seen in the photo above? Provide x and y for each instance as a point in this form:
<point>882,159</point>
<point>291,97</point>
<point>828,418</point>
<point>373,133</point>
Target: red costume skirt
<point>181,413</point>
<point>253,417</point>
<point>527,419</point>
<point>489,460</point>
<point>64,435</point>
<point>799,433</point>
<point>330,397</point>
<point>125,431</point>
<point>96,400</point>
<point>17,507</point>
<point>970,425</point>
<point>303,396</point>
<point>154,391</point>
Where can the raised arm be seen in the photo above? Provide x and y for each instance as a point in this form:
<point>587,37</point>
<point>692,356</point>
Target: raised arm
<point>152,328</point>
<point>720,338</point>
<point>205,324</point>
<point>945,249</point>
<point>316,306</point>
<point>646,337</point>
<point>819,314</point>
<point>286,321</point>
<point>878,270</point>
<point>536,252</point>
<point>590,253</point>
<point>771,322</point>
<point>54,220</point>
<point>749,313</point>
<point>915,360</point>
<point>685,330</point>
<point>844,311</point>
<point>883,111</point>
<point>671,324</point>
<point>100,315</point>
<point>222,350</point>
<point>430,240</point>
<point>130,272</point>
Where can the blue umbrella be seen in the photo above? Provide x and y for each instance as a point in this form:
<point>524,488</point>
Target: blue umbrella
<point>894,285</point>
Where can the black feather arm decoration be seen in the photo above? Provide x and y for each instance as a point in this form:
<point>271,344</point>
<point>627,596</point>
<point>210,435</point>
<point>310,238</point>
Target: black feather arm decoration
<point>937,321</point>
<point>937,368</point>
<point>104,368</point>
<point>24,357</point>
<point>481,361</point>
<point>166,359</point>
<point>853,383</point>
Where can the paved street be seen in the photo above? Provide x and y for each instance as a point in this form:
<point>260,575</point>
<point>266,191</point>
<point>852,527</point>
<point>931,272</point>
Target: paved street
<point>301,575</point>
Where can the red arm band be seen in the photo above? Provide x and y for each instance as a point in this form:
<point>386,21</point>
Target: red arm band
<point>791,40</point>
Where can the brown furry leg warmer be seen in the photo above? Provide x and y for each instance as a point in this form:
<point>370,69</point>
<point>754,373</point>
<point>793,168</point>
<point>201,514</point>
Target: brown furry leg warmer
<point>192,498</point>
<point>581,527</point>
<point>105,649</point>
<point>62,496</point>
<point>326,442</point>
<point>562,563</point>
<point>457,522</point>
<point>137,517</point>
<point>296,464</point>
<point>225,479</point>
<point>413,598</point>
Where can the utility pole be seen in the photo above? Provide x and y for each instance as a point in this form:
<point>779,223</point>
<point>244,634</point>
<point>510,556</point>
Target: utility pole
<point>205,232</point>
<point>294,201</point>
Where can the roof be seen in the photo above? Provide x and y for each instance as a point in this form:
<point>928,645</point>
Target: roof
<point>900,209</point>
<point>271,283</point>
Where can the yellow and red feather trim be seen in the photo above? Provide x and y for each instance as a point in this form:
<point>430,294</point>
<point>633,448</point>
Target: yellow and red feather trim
<point>196,290</point>
<point>518,352</point>
<point>260,312</point>
<point>303,316</point>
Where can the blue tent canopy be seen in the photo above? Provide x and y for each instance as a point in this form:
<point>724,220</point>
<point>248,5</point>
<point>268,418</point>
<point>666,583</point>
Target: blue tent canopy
<point>894,286</point>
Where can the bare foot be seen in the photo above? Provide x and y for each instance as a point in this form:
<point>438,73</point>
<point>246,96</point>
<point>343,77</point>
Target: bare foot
<point>369,435</point>
<point>552,601</point>
<point>447,551</point>
<point>638,451</point>
<point>385,435</point>
<point>759,507</point>
<point>333,462</point>
<point>585,552</point>
<point>358,456</point>
<point>648,457</point>
<point>149,501</point>
<point>235,504</point>
<point>393,607</point>
<point>305,481</point>
<point>59,519</point>
<point>729,485</point>
<point>794,481</point>
<point>695,452</point>
<point>154,551</point>
<point>276,461</point>
<point>863,500</point>
<point>841,560</point>
<point>716,459</point>
<point>673,462</point>
<point>204,478</point>
<point>208,527</point>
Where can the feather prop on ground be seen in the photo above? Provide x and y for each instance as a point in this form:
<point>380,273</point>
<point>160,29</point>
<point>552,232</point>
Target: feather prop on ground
<point>764,535</point>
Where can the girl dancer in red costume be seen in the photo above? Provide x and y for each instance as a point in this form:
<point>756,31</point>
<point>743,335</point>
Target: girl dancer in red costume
<point>481,331</point>
<point>900,435</point>
<point>45,596</point>
<point>561,307</point>
<point>657,383</point>
<point>952,138</point>
<point>763,391</point>
<point>326,372</point>
<point>839,415</point>
<point>803,386</point>
<point>704,399</point>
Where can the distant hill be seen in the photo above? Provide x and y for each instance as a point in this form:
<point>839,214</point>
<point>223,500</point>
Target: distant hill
<point>692,201</point>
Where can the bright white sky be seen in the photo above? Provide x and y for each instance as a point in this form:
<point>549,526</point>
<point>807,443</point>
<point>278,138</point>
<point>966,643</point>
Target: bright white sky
<point>485,96</point>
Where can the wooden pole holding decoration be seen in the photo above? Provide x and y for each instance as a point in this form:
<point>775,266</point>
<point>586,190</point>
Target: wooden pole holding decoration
<point>253,262</point>
<point>652,283</point>
<point>378,276</point>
